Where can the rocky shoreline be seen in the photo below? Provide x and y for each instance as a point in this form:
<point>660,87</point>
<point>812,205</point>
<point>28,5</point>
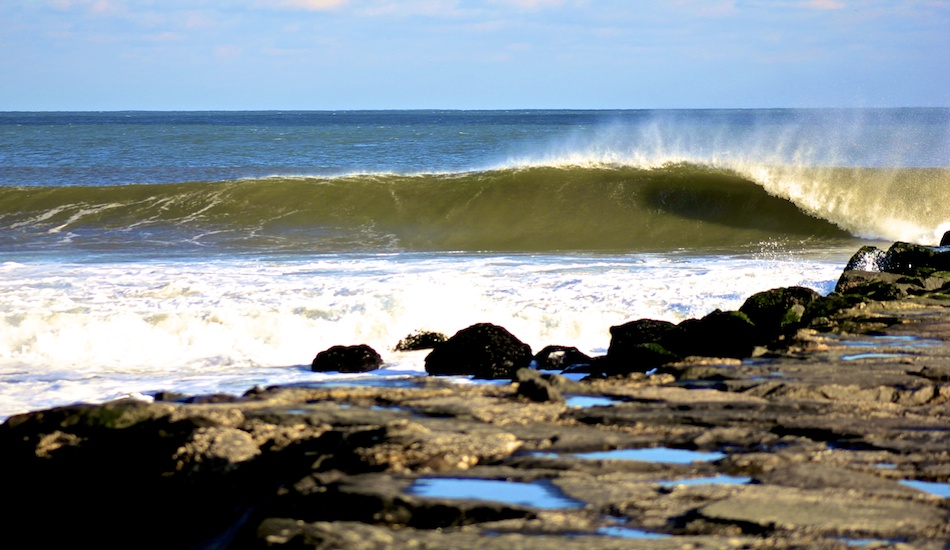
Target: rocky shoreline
<point>799,421</point>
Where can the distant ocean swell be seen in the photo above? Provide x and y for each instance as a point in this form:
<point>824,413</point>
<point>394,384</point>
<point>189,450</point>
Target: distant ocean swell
<point>540,208</point>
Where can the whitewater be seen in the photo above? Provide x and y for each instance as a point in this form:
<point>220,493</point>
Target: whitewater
<point>215,252</point>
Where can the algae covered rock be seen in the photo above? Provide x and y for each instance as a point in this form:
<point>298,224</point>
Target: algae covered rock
<point>483,350</point>
<point>361,358</point>
<point>777,310</point>
<point>638,358</point>
<point>719,334</point>
<point>637,346</point>
<point>915,259</point>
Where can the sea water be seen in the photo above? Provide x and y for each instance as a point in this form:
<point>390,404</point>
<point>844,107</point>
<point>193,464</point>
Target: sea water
<point>215,251</point>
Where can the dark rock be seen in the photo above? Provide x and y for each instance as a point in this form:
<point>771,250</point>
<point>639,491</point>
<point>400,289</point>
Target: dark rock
<point>945,241</point>
<point>361,358</point>
<point>560,358</point>
<point>637,358</point>
<point>483,350</point>
<point>719,334</point>
<point>597,365</point>
<point>884,286</point>
<point>777,310</point>
<point>822,310</point>
<point>629,350</point>
<point>873,285</point>
<point>534,386</point>
<point>915,259</point>
<point>420,340</point>
<point>867,258</point>
<point>641,331</point>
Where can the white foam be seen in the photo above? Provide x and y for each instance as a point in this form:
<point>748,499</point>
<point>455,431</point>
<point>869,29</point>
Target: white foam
<point>89,332</point>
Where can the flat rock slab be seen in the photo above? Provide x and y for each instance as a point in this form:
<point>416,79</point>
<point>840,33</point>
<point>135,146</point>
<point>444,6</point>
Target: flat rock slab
<point>766,508</point>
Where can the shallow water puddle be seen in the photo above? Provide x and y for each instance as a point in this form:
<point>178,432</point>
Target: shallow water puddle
<point>940,489</point>
<point>651,454</point>
<point>583,401</point>
<point>869,542</point>
<point>654,454</point>
<point>860,356</point>
<point>537,494</point>
<point>714,480</point>
<point>629,533</point>
<point>903,342</point>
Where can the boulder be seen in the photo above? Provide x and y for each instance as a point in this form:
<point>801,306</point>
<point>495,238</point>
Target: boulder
<point>641,331</point>
<point>420,340</point>
<point>873,285</point>
<point>361,358</point>
<point>915,259</point>
<point>638,358</point>
<point>638,346</point>
<point>719,334</point>
<point>945,241</point>
<point>482,350</point>
<point>778,310</point>
<point>867,258</point>
<point>560,358</point>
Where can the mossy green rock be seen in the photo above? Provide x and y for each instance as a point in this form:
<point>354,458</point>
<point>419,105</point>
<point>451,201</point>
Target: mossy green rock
<point>777,310</point>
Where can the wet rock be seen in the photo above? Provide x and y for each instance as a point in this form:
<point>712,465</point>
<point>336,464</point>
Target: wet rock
<point>638,346</point>
<point>764,508</point>
<point>534,386</point>
<point>884,286</point>
<point>374,498</point>
<point>814,476</point>
<point>915,259</point>
<point>483,350</point>
<point>421,340</point>
<point>821,312</point>
<point>637,358</point>
<point>361,358</point>
<point>641,331</point>
<point>719,334</point>
<point>867,258</point>
<point>560,358</point>
<point>778,310</point>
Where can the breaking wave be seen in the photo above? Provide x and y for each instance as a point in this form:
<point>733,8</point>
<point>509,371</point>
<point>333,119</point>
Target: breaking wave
<point>536,208</point>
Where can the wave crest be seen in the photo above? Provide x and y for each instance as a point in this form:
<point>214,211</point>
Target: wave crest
<point>538,208</point>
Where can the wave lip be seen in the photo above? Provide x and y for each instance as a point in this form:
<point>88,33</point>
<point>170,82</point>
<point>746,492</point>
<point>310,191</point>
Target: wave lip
<point>607,207</point>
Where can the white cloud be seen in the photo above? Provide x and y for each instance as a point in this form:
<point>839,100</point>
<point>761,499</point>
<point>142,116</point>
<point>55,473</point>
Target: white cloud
<point>308,5</point>
<point>705,8</point>
<point>403,8</point>
<point>825,4</point>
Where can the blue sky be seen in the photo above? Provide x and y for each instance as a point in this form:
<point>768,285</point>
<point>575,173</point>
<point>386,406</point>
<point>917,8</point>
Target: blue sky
<point>471,54</point>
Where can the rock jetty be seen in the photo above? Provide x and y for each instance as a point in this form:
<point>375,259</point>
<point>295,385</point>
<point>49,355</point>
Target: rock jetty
<point>799,421</point>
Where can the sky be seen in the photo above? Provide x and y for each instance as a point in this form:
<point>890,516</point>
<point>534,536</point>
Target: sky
<point>472,54</point>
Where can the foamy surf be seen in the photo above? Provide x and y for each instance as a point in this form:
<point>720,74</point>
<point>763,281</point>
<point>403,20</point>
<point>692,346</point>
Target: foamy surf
<point>89,332</point>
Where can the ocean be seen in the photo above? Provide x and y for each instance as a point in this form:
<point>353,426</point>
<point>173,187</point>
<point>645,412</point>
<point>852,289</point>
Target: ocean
<point>204,252</point>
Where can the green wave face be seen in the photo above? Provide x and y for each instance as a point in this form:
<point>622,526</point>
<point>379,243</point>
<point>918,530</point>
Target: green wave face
<point>615,208</point>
